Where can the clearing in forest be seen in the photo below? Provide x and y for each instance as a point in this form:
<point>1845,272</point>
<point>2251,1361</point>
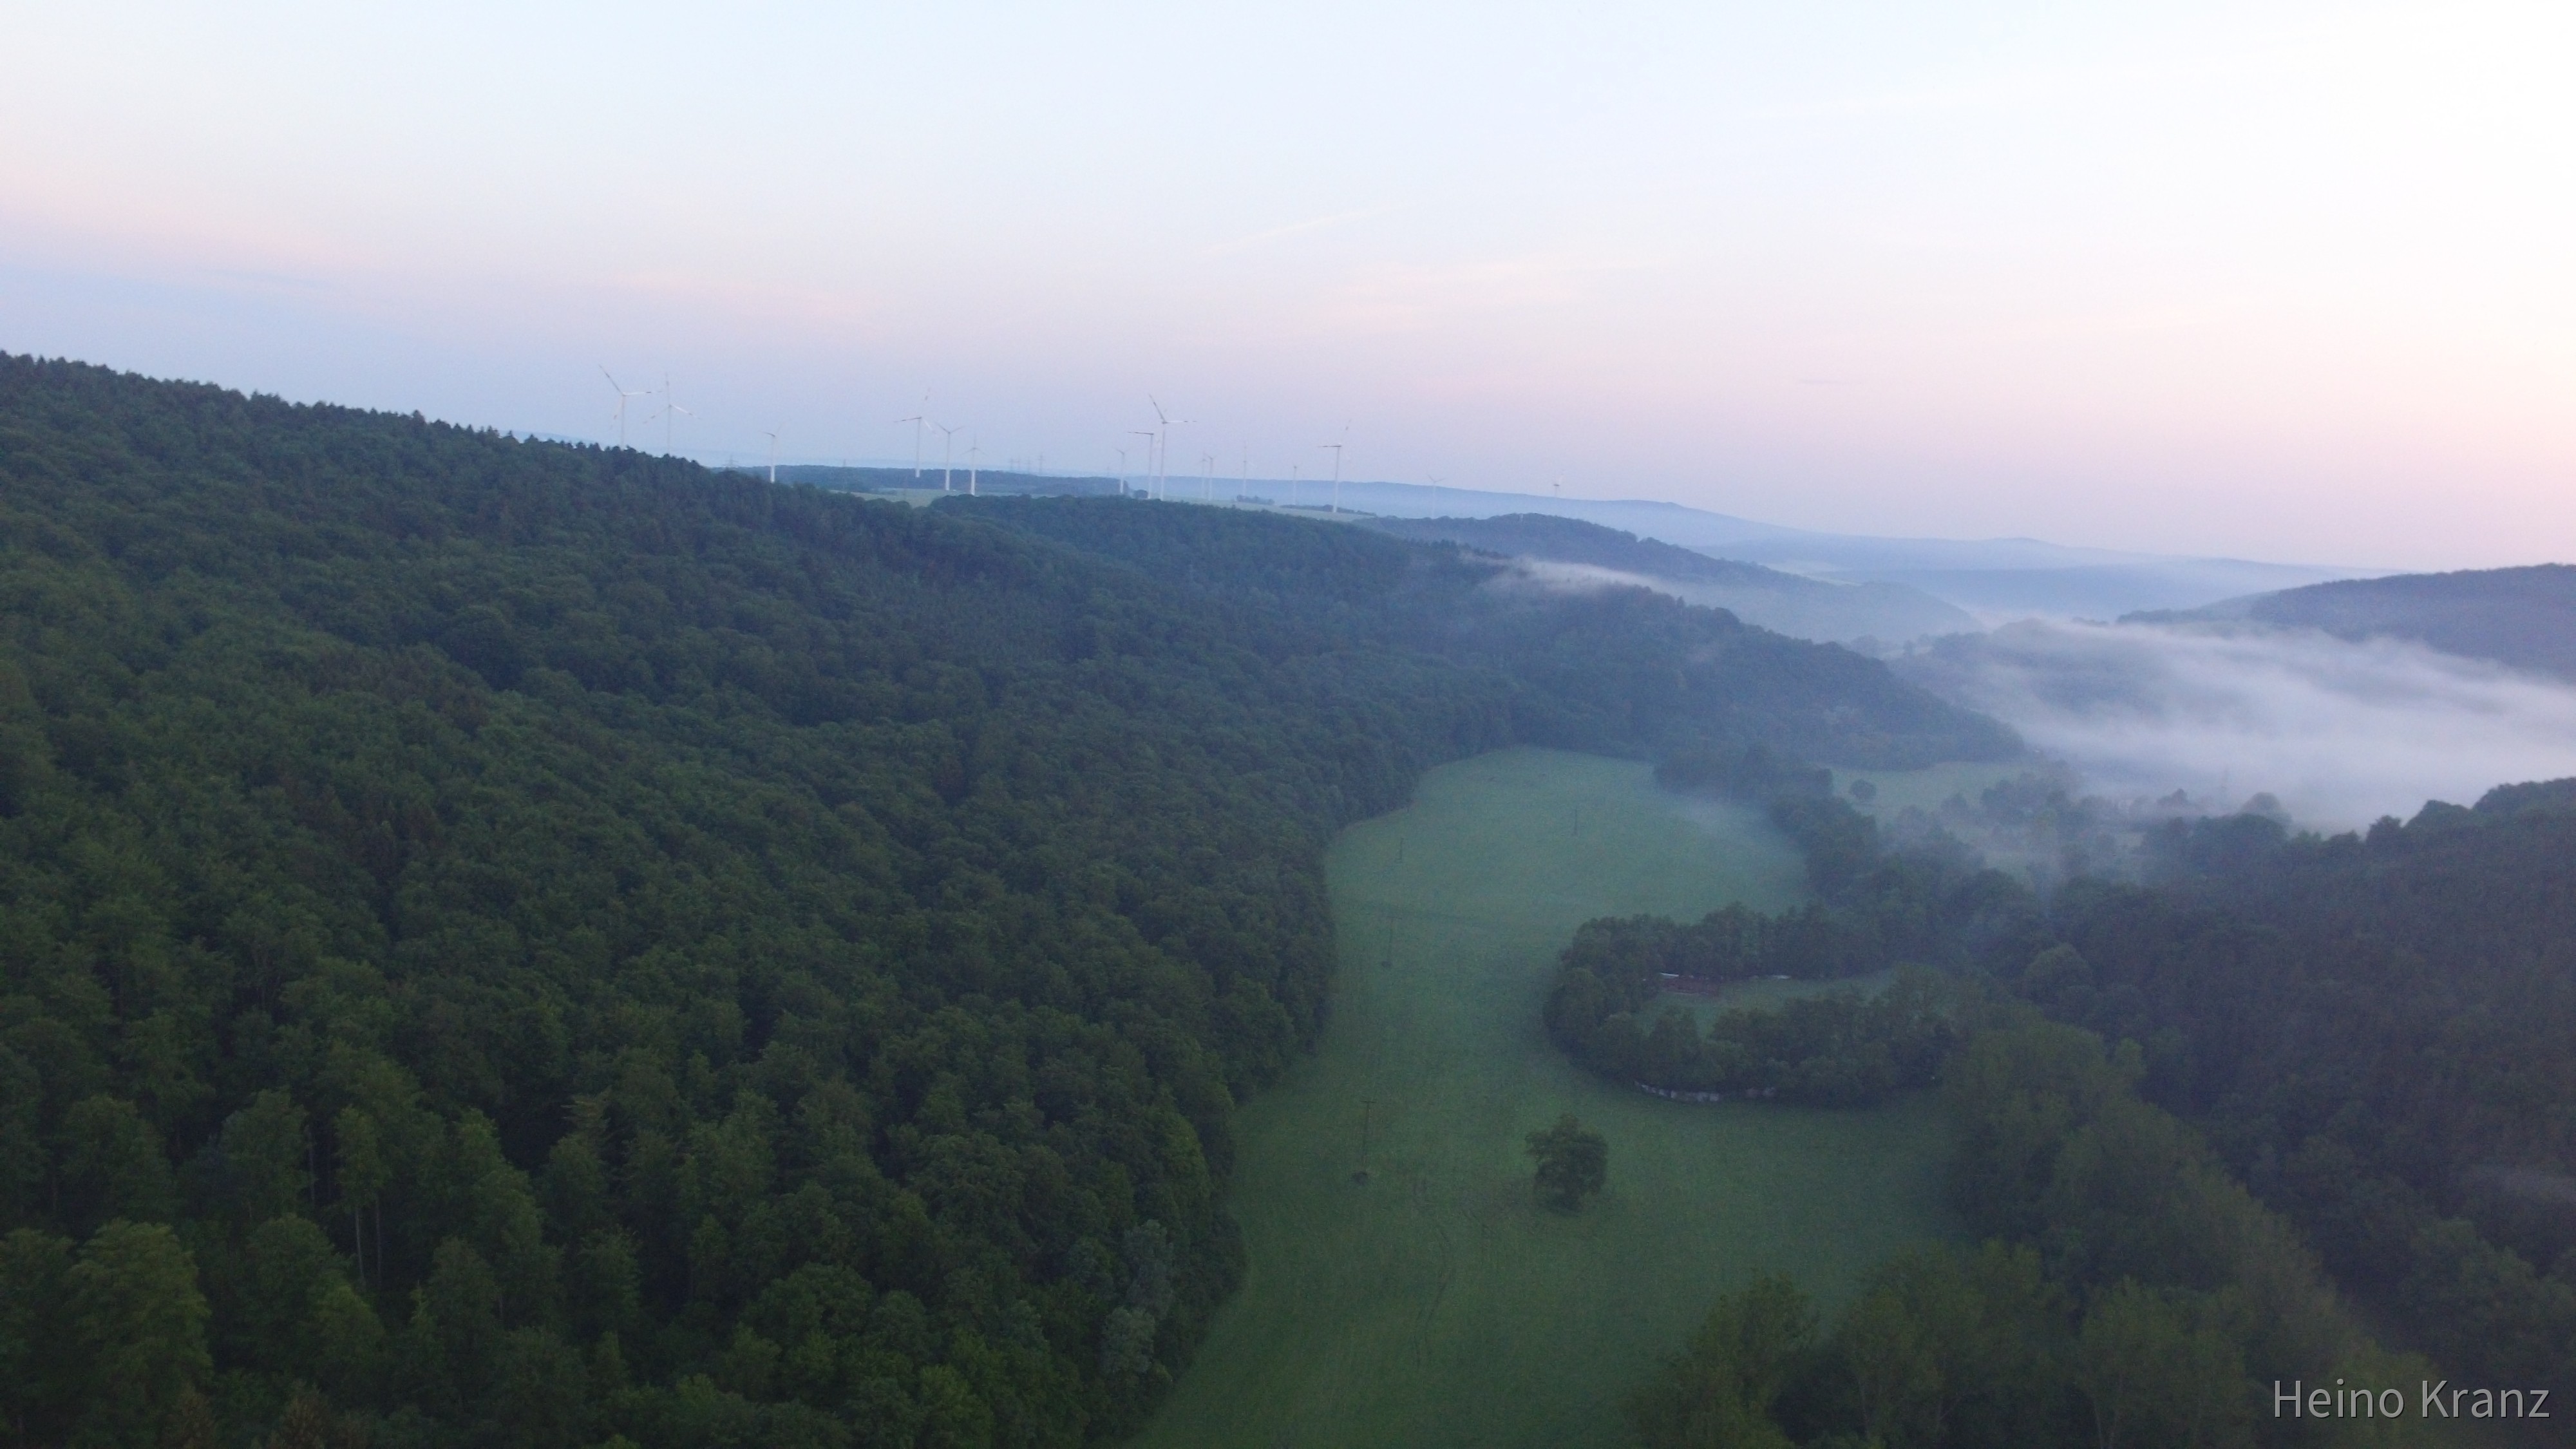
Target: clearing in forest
<point>1437,1303</point>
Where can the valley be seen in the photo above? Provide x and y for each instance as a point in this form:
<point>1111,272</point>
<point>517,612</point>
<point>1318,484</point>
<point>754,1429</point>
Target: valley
<point>1438,1303</point>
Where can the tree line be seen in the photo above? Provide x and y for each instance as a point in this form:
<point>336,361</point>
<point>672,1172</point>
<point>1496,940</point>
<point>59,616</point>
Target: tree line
<point>1924,913</point>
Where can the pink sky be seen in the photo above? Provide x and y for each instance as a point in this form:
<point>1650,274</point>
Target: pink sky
<point>2283,281</point>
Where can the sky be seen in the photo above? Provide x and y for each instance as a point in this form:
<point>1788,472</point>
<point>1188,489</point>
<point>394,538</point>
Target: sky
<point>2281,281</point>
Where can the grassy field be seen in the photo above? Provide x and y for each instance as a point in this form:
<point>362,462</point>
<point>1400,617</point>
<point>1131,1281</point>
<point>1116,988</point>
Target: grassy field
<point>1437,1304</point>
<point>1766,993</point>
<point>1924,789</point>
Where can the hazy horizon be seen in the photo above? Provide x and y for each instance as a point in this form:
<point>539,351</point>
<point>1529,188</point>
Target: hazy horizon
<point>2261,282</point>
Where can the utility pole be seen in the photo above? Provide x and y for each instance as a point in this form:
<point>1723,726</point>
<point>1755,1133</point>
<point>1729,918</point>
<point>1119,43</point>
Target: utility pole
<point>1362,1176</point>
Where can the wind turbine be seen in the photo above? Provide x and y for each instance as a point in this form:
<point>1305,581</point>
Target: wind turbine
<point>623,393</point>
<point>974,450</point>
<point>1167,424</point>
<point>668,408</point>
<point>947,448</point>
<point>1122,470</point>
<point>1148,435</point>
<point>772,436</point>
<point>1207,477</point>
<point>1337,468</point>
<point>917,419</point>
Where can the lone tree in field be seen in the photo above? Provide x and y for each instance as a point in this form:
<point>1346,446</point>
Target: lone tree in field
<point>1573,1163</point>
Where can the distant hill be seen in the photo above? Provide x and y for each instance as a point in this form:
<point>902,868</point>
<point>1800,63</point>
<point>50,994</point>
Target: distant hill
<point>1997,579</point>
<point>1782,602</point>
<point>1994,579</point>
<point>2522,617</point>
<point>996,481</point>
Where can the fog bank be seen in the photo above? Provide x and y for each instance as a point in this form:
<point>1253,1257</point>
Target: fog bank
<point>2341,732</point>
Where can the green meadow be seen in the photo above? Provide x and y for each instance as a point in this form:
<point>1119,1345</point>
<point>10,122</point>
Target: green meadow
<point>1435,1303</point>
<point>1764,993</point>
<point>1925,790</point>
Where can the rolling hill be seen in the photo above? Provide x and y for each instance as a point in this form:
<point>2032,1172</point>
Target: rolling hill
<point>2522,617</point>
<point>1786,603</point>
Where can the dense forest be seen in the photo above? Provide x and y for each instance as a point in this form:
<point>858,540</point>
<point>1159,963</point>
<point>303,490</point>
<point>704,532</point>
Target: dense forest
<point>2379,1033</point>
<point>2126,1292</point>
<point>1621,671</point>
<point>1911,910</point>
<point>2375,1034</point>
<point>507,943</point>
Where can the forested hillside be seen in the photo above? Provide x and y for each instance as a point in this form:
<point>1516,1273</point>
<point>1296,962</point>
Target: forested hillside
<point>2374,1034</point>
<point>1791,603</point>
<point>1571,540</point>
<point>518,944</point>
<point>2380,1034</point>
<point>1622,670</point>
<point>2524,617</point>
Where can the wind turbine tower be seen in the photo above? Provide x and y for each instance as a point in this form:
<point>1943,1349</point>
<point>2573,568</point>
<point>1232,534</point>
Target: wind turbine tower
<point>623,393</point>
<point>1337,474</point>
<point>772,436</point>
<point>1166,424</point>
<point>974,450</point>
<point>947,449</point>
<point>1148,435</point>
<point>917,420</point>
<point>669,406</point>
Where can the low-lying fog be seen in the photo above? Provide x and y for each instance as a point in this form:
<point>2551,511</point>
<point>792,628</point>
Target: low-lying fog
<point>2341,732</point>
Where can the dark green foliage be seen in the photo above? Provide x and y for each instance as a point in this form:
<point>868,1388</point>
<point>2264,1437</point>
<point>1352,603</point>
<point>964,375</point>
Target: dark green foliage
<point>137,1325</point>
<point>537,894</point>
<point>1618,671</point>
<point>2380,1034</point>
<point>545,943</point>
<point>1839,1049</point>
<point>2370,1030</point>
<point>1573,1163</point>
<point>1878,909</point>
<point>2129,1294</point>
<point>1723,1388</point>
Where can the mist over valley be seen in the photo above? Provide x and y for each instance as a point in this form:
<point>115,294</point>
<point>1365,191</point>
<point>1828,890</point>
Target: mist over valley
<point>2342,732</point>
<point>2343,701</point>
